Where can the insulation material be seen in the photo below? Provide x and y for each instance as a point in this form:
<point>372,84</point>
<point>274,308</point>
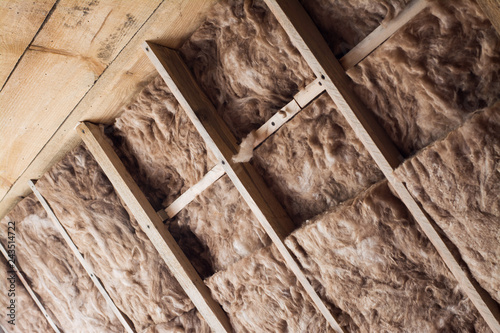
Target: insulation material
<point>67,292</point>
<point>370,259</point>
<point>315,161</point>
<point>111,240</point>
<point>426,79</point>
<point>190,322</point>
<point>457,181</point>
<point>159,145</point>
<point>28,317</point>
<point>260,294</point>
<point>224,223</point>
<point>246,64</point>
<point>344,24</point>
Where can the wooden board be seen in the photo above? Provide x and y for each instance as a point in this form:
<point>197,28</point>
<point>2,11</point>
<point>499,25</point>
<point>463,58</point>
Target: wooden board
<point>492,10</point>
<point>221,141</point>
<point>127,324</point>
<point>171,24</point>
<point>152,225</point>
<point>28,289</point>
<point>20,21</point>
<point>382,33</point>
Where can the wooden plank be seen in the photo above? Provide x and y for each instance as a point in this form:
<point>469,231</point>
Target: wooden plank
<point>171,24</point>
<point>310,43</point>
<point>491,9</point>
<point>153,227</point>
<point>221,141</point>
<point>307,39</point>
<point>309,93</point>
<point>28,288</point>
<point>20,22</point>
<point>127,324</point>
<point>381,34</point>
<point>185,198</point>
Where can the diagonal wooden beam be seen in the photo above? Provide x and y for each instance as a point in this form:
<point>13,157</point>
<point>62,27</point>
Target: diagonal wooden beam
<point>26,285</point>
<point>491,9</point>
<point>127,324</point>
<point>383,32</point>
<point>306,37</point>
<point>223,144</point>
<point>153,227</point>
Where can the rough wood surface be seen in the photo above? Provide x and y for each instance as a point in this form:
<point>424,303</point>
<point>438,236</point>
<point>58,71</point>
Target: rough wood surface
<point>223,144</point>
<point>170,24</point>
<point>153,227</point>
<point>492,9</point>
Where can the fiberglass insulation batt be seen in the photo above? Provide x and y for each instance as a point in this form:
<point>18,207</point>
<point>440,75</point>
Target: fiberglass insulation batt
<point>165,155</point>
<point>111,240</point>
<point>457,181</point>
<point>315,161</point>
<point>437,69</point>
<point>64,287</point>
<point>369,258</point>
<point>29,318</point>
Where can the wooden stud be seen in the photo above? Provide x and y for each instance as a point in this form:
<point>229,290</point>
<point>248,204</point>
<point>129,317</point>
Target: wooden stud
<point>185,198</point>
<point>221,141</point>
<point>491,9</point>
<point>309,93</point>
<point>381,34</point>
<point>314,49</point>
<point>153,227</point>
<point>127,324</point>
<point>28,289</point>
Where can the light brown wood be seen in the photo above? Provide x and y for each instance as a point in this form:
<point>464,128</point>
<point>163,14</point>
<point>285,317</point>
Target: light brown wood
<point>491,9</point>
<point>185,198</point>
<point>220,140</point>
<point>381,34</point>
<point>28,288</point>
<point>171,24</point>
<point>127,324</point>
<point>309,93</point>
<point>153,227</point>
<point>307,39</point>
<point>315,51</point>
<point>20,21</point>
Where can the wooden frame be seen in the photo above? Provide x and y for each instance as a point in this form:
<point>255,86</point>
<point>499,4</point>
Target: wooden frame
<point>307,39</point>
<point>29,290</point>
<point>152,225</point>
<point>127,324</point>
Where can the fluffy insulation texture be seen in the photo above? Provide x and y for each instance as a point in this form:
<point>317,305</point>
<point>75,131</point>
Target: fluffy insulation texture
<point>315,161</point>
<point>344,24</point>
<point>64,287</point>
<point>130,268</point>
<point>370,260</point>
<point>29,318</point>
<point>190,322</point>
<point>260,294</point>
<point>245,62</point>
<point>222,220</point>
<point>426,79</point>
<point>457,181</point>
<point>159,145</point>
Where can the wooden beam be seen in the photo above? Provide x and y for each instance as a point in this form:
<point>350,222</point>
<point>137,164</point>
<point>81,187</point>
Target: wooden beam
<point>127,324</point>
<point>308,40</point>
<point>153,227</point>
<point>26,285</point>
<point>314,49</point>
<point>185,198</point>
<point>382,33</point>
<point>309,93</point>
<point>221,141</point>
<point>170,24</point>
<point>491,9</point>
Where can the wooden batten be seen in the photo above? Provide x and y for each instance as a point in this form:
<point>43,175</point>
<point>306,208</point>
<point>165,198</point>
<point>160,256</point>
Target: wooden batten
<point>314,49</point>
<point>28,289</point>
<point>383,32</point>
<point>127,324</point>
<point>153,227</point>
<point>491,9</point>
<point>221,141</point>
